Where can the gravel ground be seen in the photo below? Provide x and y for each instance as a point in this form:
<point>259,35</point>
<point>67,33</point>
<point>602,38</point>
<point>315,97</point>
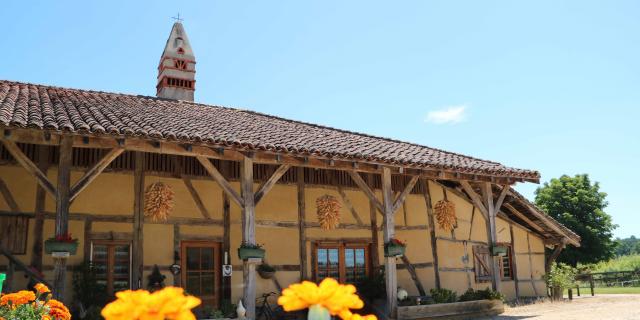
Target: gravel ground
<point>602,307</point>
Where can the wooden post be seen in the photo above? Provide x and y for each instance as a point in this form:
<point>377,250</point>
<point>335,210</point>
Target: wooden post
<point>177,279</point>
<point>373,215</point>
<point>38,228</point>
<point>391,280</point>
<point>591,285</point>
<point>226,237</point>
<point>248,235</point>
<point>302,230</point>
<point>432,233</point>
<point>492,235</point>
<point>62,211</point>
<point>138,220</point>
<point>514,262</point>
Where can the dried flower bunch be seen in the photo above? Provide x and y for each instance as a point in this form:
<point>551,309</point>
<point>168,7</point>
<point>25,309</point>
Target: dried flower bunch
<point>446,214</point>
<point>158,201</point>
<point>328,210</point>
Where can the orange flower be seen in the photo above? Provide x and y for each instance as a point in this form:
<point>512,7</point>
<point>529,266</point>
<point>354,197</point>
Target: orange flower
<point>57,310</point>
<point>18,298</point>
<point>169,303</point>
<point>42,288</point>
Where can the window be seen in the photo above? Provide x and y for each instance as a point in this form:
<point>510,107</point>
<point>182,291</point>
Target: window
<point>201,266</point>
<point>13,233</point>
<point>180,64</point>
<point>482,263</point>
<point>112,262</point>
<point>346,262</point>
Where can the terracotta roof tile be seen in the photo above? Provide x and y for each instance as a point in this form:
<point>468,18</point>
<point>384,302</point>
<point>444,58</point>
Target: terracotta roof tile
<point>94,112</point>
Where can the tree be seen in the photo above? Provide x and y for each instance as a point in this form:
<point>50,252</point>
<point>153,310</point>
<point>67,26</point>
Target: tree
<point>628,246</point>
<point>579,205</point>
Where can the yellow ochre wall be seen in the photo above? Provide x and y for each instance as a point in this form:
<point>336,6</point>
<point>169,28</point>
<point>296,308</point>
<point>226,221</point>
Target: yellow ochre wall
<point>112,194</point>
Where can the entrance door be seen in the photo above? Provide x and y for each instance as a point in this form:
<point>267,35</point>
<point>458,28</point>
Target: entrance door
<point>201,270</point>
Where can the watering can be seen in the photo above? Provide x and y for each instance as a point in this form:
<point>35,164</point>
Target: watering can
<point>2,277</point>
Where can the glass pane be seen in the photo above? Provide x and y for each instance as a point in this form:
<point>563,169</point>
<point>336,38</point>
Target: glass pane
<point>349,258</point>
<point>333,257</point>
<point>100,252</point>
<point>193,283</point>
<point>208,283</point>
<point>193,258</point>
<point>360,258</point>
<point>334,273</point>
<point>206,259</point>
<point>322,258</point>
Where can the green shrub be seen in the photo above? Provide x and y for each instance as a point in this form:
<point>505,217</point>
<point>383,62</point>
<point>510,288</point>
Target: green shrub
<point>443,296</point>
<point>561,276</point>
<point>486,294</point>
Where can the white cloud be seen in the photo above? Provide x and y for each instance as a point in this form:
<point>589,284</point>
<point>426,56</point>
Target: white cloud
<point>451,115</point>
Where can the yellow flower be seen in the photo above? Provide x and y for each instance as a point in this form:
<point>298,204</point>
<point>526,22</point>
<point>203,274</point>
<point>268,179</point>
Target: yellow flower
<point>169,303</point>
<point>336,298</point>
<point>347,315</point>
<point>41,288</point>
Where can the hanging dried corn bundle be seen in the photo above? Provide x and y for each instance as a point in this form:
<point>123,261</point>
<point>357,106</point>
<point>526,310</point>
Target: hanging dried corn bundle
<point>158,202</point>
<point>328,209</point>
<point>446,214</point>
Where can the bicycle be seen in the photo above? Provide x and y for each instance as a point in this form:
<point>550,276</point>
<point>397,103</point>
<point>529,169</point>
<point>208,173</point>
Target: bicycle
<point>267,312</point>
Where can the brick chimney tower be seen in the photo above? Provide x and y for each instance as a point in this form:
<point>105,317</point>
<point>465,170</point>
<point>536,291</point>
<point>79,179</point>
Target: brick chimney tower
<point>177,68</point>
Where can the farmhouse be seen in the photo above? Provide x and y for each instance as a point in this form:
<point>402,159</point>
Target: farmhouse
<point>164,181</point>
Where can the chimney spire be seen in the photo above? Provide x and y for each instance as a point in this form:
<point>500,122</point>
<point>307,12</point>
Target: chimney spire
<point>177,68</point>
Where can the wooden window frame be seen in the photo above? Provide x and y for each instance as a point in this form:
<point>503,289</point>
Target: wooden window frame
<point>501,262</point>
<point>341,245</point>
<point>110,259</point>
<point>484,250</point>
<point>217,264</point>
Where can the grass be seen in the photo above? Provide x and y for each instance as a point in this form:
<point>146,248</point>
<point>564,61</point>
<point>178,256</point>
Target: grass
<point>624,263</point>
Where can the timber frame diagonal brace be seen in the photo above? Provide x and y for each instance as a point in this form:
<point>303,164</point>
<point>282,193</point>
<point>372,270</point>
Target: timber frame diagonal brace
<point>93,172</point>
<point>32,168</point>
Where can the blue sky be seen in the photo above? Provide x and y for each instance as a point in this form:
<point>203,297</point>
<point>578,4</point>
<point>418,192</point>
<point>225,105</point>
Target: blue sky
<point>546,85</point>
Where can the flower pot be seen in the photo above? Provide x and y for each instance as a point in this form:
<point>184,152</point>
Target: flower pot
<point>248,253</point>
<point>2,277</point>
<point>266,274</point>
<point>394,250</point>
<point>500,251</point>
<point>51,246</point>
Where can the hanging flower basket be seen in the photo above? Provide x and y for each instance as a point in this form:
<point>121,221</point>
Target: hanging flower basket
<point>250,251</point>
<point>328,210</point>
<point>63,243</point>
<point>394,248</point>
<point>445,211</point>
<point>266,271</point>
<point>158,202</point>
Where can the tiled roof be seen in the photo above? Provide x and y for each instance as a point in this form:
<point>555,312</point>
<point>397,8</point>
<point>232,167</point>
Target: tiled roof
<point>93,112</point>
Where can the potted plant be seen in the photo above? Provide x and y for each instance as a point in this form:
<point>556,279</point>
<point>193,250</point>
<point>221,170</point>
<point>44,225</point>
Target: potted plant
<point>250,250</point>
<point>560,277</point>
<point>394,248</point>
<point>61,243</point>
<point>266,271</point>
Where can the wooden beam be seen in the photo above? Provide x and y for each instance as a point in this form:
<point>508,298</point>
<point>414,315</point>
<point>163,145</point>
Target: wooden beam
<point>475,198</point>
<point>62,211</point>
<point>407,189</point>
<point>432,232</point>
<point>524,218</point>
<point>38,228</point>
<point>192,190</point>
<point>267,185</point>
<point>414,275</point>
<point>138,220</point>
<point>552,258</point>
<point>226,236</point>
<point>533,284</point>
<point>5,252</point>
<point>28,165</point>
<point>355,176</point>
<point>492,234</point>
<point>391,281</point>
<point>266,157</point>
<point>224,184</point>
<point>94,171</point>
<point>248,234</point>
<point>373,215</point>
<point>8,197</point>
<point>500,200</point>
<point>302,230</point>
<point>345,198</point>
<point>514,262</point>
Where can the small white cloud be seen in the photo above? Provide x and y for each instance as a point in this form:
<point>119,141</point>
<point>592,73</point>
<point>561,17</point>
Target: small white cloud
<point>451,115</point>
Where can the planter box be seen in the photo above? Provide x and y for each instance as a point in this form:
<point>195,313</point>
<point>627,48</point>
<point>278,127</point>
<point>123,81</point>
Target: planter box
<point>394,250</point>
<point>500,251</point>
<point>248,253</point>
<point>51,246</point>
<point>456,310</point>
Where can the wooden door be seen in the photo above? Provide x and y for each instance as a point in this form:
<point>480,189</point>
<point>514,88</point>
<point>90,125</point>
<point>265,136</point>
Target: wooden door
<point>202,270</point>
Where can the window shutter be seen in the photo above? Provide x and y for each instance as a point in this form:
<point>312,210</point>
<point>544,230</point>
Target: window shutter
<point>13,233</point>
<point>482,259</point>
